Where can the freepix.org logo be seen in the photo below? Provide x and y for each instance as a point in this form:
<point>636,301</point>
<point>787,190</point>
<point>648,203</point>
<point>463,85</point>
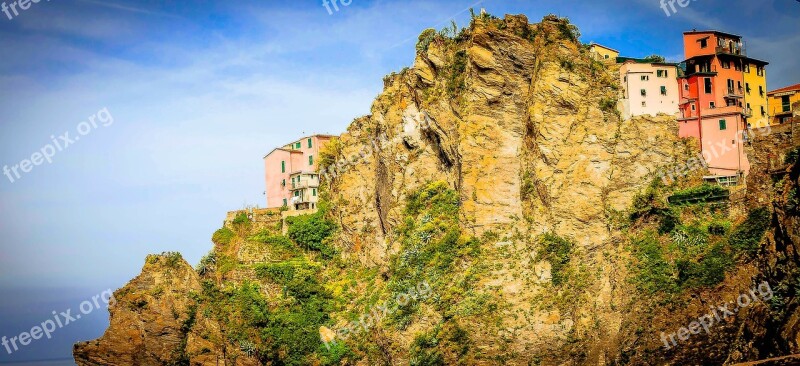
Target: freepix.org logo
<point>669,5</point>
<point>46,154</point>
<point>8,9</point>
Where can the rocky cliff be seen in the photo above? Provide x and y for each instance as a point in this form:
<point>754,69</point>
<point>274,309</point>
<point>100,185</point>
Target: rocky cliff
<point>492,209</point>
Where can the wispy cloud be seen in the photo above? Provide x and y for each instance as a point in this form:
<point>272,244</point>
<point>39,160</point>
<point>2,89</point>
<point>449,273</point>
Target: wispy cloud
<point>131,9</point>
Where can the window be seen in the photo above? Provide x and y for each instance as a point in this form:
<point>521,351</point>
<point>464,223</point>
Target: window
<point>283,166</point>
<point>726,64</point>
<point>663,90</point>
<point>285,203</point>
<point>311,160</point>
<point>644,93</point>
<point>763,111</point>
<point>297,145</point>
<point>761,90</point>
<point>704,43</point>
<point>606,57</point>
<point>747,87</point>
<point>785,107</point>
<point>644,104</point>
<point>645,77</point>
<point>625,78</point>
<point>712,105</point>
<point>309,143</point>
<point>747,68</point>
<point>707,85</point>
<point>661,73</point>
<point>297,193</point>
<point>760,70</point>
<point>694,107</point>
<point>723,125</point>
<point>314,192</point>
<point>686,86</point>
<point>737,66</point>
<point>283,183</point>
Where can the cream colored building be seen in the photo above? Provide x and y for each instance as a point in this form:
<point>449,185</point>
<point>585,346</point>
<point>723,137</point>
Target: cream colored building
<point>603,53</point>
<point>648,88</point>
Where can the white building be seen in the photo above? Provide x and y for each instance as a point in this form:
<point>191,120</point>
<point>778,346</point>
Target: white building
<point>648,88</point>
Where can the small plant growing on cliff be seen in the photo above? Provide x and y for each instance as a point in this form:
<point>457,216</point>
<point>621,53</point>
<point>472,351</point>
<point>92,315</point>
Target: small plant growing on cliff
<point>425,40</point>
<point>223,236</point>
<point>457,75</point>
<point>557,251</point>
<point>609,105</point>
<point>241,219</point>
<point>207,263</point>
<point>173,259</point>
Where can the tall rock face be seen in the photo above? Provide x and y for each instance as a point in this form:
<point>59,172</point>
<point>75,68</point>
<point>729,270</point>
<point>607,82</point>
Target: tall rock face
<point>518,119</point>
<point>496,175</point>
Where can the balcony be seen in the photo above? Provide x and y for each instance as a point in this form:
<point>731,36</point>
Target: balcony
<point>701,69</point>
<point>732,49</point>
<point>735,93</point>
<point>299,199</point>
<point>719,111</point>
<point>304,184</point>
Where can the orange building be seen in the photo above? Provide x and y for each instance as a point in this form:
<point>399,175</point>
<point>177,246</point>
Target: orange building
<point>713,101</point>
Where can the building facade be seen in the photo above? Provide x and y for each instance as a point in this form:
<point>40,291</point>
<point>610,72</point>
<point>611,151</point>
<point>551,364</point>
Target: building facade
<point>783,103</point>
<point>714,99</point>
<point>648,88</point>
<point>291,174</point>
<point>603,53</point>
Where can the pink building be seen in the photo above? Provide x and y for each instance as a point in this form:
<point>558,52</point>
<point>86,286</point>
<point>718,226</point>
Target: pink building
<point>291,173</point>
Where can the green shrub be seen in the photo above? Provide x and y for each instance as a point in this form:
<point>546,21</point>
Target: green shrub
<point>425,40</point>
<point>424,351</point>
<point>311,232</point>
<point>708,271</point>
<point>173,259</point>
<point>241,219</point>
<point>608,105</point>
<point>223,237</point>
<point>747,236</point>
<point>652,272</point>
<point>557,251</point>
<point>207,263</point>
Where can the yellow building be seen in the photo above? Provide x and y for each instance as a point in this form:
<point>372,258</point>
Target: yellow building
<point>755,94</point>
<point>781,103</point>
<point>603,53</point>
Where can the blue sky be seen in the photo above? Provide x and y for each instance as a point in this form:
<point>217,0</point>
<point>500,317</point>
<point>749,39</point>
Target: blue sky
<point>201,90</point>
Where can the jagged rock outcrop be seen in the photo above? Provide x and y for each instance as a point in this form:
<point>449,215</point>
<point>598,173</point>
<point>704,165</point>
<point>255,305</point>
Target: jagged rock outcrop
<point>147,317</point>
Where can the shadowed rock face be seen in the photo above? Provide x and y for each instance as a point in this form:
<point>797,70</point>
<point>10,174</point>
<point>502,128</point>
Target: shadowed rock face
<point>147,318</point>
<point>514,117</point>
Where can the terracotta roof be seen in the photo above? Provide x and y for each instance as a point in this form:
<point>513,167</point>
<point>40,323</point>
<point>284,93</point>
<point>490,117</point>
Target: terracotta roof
<point>786,89</point>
